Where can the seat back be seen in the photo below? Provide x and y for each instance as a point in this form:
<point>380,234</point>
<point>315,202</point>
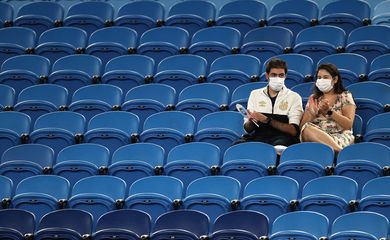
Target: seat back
<point>8,97</point>
<point>6,190</point>
<point>241,94</point>
<point>186,125</point>
<point>6,13</point>
<point>16,41</point>
<point>16,220</point>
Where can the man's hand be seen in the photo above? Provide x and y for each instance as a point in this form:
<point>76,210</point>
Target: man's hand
<point>259,117</point>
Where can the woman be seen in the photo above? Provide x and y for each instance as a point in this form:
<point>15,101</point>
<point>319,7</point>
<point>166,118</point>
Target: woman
<point>330,111</point>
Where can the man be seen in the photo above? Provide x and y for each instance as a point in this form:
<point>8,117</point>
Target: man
<point>274,112</point>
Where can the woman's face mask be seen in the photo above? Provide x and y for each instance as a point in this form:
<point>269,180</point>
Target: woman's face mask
<point>324,85</point>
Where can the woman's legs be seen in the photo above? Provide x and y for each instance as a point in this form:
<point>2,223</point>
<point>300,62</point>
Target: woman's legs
<point>313,134</point>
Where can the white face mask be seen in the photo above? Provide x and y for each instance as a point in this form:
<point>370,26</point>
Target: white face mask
<point>276,83</point>
<point>324,85</point>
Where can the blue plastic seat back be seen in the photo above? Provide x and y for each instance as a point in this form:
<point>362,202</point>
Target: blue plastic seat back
<point>146,152</point>
<point>301,222</point>
<point>141,15</point>
<point>88,152</point>
<point>374,152</point>
<point>6,13</point>
<point>316,152</point>
<point>379,69</point>
<point>168,186</point>
<point>186,125</point>
<point>224,186</point>
<point>357,127</point>
<point>379,13</point>
<point>91,65</point>
<point>40,16</point>
<point>6,190</point>
<point>376,186</point>
<point>124,121</point>
<point>241,94</point>
<point>377,129</point>
<point>55,186</point>
<point>35,153</point>
<point>358,223</point>
<point>15,122</point>
<point>69,121</point>
<point>16,41</point>
<point>378,121</point>
<point>256,151</point>
<point>304,90</point>
<point>19,220</point>
<point>8,96</point>
<point>353,67</point>
<point>225,119</point>
<point>245,64</point>
<point>106,93</point>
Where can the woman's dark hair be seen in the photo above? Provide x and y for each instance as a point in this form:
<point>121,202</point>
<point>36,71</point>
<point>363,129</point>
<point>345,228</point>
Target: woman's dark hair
<point>334,72</point>
<point>276,63</point>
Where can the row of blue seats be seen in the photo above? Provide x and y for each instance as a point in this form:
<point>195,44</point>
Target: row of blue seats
<point>191,225</point>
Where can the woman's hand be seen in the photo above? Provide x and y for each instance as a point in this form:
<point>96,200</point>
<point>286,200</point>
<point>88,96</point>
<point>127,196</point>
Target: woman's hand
<point>313,106</point>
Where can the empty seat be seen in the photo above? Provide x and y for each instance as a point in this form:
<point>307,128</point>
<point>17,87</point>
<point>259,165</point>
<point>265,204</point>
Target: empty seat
<point>16,224</point>
<point>375,196</point>
<point>267,42</point>
<point>112,129</point>
<point>180,71</point>
<point>293,16</point>
<point>135,161</point>
<point>141,15</point>
<point>304,90</point>
<point>7,14</point>
<point>155,195</point>
<point>6,191</point>
<point>128,71</point>
<point>40,16</point>
<point>168,129</point>
<point>14,129</point>
<point>41,194</point>
<point>26,160</point>
<point>23,71</point>
<point>81,160</point>
<point>60,42</point>
<point>107,43</point>
<point>65,224</point>
<point>212,43</point>
<point>16,41</point>
<point>39,99</point>
<point>270,195</point>
<point>234,70</point>
<point>242,15</point>
<point>147,99</point>
<point>89,16</point>
<point>191,161</point>
<point>377,129</point>
<point>94,99</point>
<point>159,43</point>
<point>7,100</point>
<point>191,15</point>
<point>380,13</point>
<point>241,94</point>
<point>201,99</point>
<point>213,195</point>
<point>320,41</point>
<point>379,69</point>
<point>76,71</point>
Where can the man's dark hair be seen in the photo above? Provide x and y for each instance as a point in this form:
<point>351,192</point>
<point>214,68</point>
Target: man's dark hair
<point>334,72</point>
<point>276,63</point>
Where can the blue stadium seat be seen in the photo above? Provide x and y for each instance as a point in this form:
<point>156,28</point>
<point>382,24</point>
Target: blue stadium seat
<point>360,225</point>
<point>306,161</point>
<point>220,128</point>
<point>214,42</point>
<point>41,194</point>
<point>107,43</point>
<point>300,224</point>
<point>112,129</point>
<point>16,41</point>
<point>353,67</point>
<point>39,99</point>
<point>377,129</point>
<point>213,195</point>
<point>147,99</point>
<point>14,129</point>
<point>241,94</point>
<point>135,161</point>
<point>191,15</point>
<point>89,16</point>
<point>357,127</point>
<point>300,68</point>
<point>242,15</point>
<point>94,99</point>
<point>345,15</point>
<point>363,162</point>
<point>293,16</point>
<point>191,161</point>
<point>129,71</point>
<point>155,195</point>
<point>124,224</point>
<point>320,41</point>
<point>40,16</point>
<point>98,195</point>
<point>159,43</point>
<point>304,90</point>
<point>6,14</point>
<point>180,71</point>
<point>81,160</point>
<point>6,192</point>
<point>23,71</point>
<point>380,13</point>
<point>234,70</point>
<point>26,160</point>
<point>375,196</point>
<point>141,15</point>
<point>379,69</point>
<point>168,129</point>
<point>7,100</point>
<point>369,41</point>
<point>243,224</point>
<point>332,196</point>
<point>270,195</point>
<point>201,99</point>
<point>267,42</point>
<point>58,130</point>
<point>181,224</point>
<point>65,224</point>
<point>60,42</point>
<point>16,224</point>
